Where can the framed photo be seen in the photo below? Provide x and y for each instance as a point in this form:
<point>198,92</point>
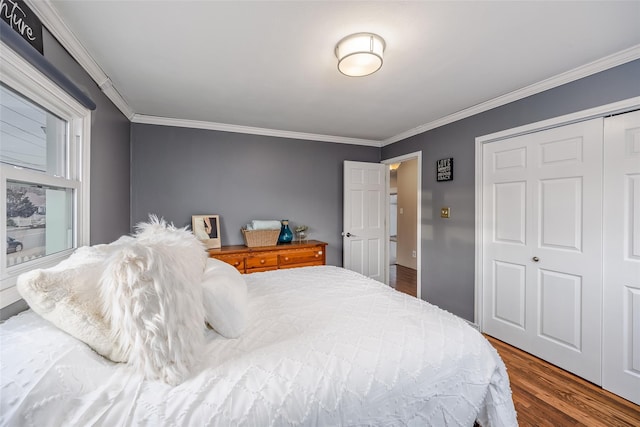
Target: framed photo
<point>207,229</point>
<point>444,169</point>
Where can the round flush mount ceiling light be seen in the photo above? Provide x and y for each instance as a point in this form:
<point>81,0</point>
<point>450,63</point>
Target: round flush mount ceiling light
<point>360,54</point>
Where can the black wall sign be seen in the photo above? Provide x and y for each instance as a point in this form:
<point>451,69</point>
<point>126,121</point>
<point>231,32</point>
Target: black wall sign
<point>444,168</point>
<point>23,21</point>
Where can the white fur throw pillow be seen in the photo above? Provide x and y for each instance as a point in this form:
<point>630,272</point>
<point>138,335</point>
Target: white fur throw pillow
<point>66,295</point>
<point>153,300</point>
<point>225,298</point>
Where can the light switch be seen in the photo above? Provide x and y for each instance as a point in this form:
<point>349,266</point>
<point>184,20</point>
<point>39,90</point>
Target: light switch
<point>401,211</point>
<point>445,212</point>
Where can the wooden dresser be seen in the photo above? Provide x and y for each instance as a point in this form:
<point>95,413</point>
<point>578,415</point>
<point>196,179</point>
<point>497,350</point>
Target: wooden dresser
<point>264,258</point>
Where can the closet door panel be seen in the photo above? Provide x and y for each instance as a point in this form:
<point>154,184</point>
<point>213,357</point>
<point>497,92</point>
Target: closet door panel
<point>542,255</point>
<point>561,303</point>
<point>510,212</point>
<point>509,292</point>
<point>561,213</point>
<point>621,297</point>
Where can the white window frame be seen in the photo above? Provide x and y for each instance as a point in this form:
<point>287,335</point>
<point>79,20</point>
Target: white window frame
<point>23,78</point>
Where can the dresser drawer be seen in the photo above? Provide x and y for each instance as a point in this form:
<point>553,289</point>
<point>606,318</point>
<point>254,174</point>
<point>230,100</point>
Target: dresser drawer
<point>235,260</point>
<point>265,258</point>
<point>312,256</point>
<point>261,261</point>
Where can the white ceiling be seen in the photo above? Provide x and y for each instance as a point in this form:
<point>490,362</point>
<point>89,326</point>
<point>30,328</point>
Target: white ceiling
<point>270,65</point>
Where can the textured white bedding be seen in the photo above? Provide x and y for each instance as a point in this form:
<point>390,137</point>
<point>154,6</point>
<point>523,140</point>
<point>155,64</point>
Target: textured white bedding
<point>323,346</point>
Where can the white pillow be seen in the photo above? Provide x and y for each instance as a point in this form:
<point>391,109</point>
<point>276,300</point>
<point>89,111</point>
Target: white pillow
<point>153,300</point>
<point>66,295</point>
<point>225,298</point>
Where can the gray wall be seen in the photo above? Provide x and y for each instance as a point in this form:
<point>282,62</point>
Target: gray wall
<point>110,151</point>
<point>448,245</point>
<point>179,172</point>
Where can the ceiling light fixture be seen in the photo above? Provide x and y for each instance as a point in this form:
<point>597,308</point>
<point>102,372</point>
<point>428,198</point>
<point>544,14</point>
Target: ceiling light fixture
<point>360,54</point>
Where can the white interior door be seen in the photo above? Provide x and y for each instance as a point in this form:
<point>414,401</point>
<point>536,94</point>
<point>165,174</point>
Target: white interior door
<point>364,223</point>
<point>621,310</point>
<point>542,254</point>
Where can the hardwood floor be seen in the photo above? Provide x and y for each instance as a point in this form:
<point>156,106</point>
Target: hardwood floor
<point>403,279</point>
<point>545,395</point>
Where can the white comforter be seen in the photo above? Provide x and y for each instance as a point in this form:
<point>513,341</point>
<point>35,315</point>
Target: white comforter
<point>324,347</point>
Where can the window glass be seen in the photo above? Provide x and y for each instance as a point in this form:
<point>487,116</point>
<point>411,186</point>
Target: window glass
<point>32,138</point>
<point>39,221</point>
<point>44,173</point>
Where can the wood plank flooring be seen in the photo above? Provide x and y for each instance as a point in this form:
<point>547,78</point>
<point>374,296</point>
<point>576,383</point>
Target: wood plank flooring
<point>545,395</point>
<point>403,279</point>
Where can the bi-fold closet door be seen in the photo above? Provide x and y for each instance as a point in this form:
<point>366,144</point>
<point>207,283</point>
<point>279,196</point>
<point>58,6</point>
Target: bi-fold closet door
<point>552,283</point>
<point>621,297</point>
<point>543,244</point>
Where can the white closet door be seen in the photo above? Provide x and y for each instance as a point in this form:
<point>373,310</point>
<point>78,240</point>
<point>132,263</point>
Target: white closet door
<point>542,256</point>
<point>621,338</point>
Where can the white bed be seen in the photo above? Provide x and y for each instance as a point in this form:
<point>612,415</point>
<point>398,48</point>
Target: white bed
<point>324,347</point>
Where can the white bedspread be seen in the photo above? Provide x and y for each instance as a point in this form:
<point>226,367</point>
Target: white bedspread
<point>324,347</point>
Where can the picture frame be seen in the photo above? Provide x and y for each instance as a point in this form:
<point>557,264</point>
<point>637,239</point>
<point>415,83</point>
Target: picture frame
<point>444,169</point>
<point>207,229</point>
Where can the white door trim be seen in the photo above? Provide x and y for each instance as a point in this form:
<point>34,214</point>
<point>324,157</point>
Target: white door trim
<point>601,111</point>
<point>415,155</point>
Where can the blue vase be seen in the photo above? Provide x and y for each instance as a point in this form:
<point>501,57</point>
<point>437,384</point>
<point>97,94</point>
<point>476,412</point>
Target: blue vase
<point>286,236</point>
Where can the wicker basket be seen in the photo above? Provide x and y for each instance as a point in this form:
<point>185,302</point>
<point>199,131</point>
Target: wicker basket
<point>254,238</point>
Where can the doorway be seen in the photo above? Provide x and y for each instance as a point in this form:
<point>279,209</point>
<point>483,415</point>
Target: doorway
<point>403,231</point>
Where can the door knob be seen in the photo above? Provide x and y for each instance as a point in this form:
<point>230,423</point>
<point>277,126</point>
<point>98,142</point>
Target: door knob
<point>350,235</point>
<point>535,259</point>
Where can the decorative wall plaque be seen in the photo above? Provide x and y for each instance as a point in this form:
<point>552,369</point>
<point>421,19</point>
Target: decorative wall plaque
<point>444,169</point>
<point>23,21</point>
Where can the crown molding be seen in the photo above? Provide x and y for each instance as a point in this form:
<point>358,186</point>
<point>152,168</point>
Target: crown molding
<point>619,58</point>
<point>619,107</point>
<point>54,23</point>
<point>224,127</point>
<point>112,93</point>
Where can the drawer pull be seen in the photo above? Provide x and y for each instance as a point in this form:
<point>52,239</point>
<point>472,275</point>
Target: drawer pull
<point>317,255</point>
<point>237,263</point>
<point>262,261</point>
<point>286,258</point>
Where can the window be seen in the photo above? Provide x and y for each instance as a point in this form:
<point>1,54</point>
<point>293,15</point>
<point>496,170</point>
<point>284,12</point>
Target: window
<point>44,171</point>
